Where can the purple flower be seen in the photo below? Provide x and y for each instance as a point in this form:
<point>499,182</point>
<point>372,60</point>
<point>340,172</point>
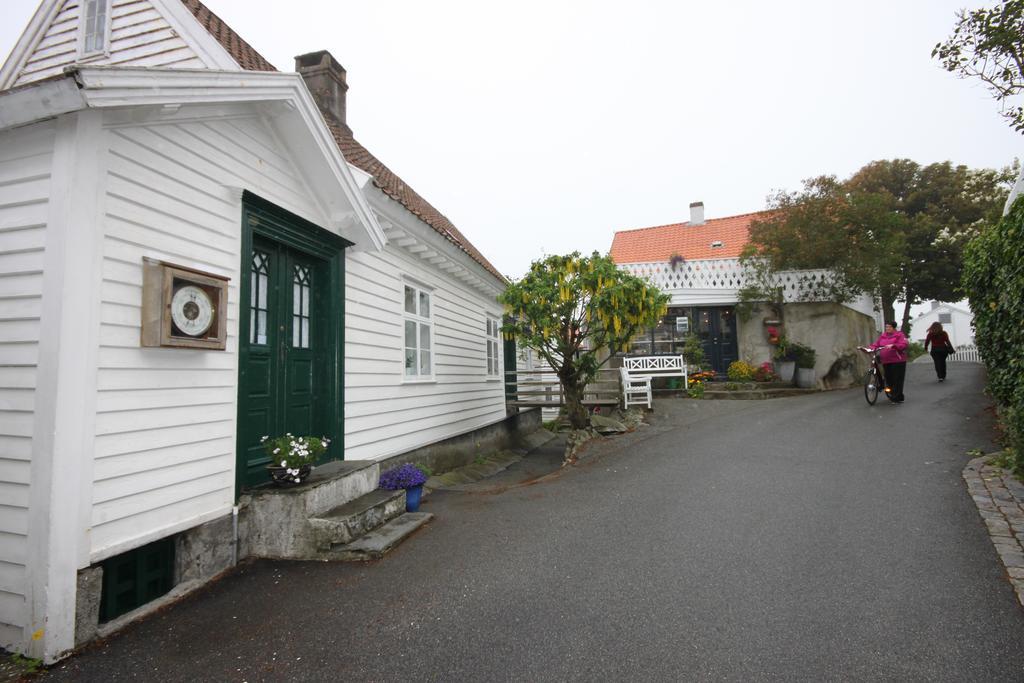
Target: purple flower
<point>403,477</point>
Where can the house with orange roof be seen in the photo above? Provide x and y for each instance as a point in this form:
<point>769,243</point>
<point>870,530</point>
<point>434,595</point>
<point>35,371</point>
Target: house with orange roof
<point>697,263</point>
<point>196,252</point>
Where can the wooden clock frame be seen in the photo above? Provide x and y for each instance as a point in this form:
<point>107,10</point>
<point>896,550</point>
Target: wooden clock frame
<point>160,280</point>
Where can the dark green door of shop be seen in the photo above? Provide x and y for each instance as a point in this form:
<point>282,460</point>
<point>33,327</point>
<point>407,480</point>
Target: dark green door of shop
<point>716,328</point>
<point>289,343</point>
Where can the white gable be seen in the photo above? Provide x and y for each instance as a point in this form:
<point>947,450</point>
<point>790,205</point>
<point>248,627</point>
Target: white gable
<point>143,33</point>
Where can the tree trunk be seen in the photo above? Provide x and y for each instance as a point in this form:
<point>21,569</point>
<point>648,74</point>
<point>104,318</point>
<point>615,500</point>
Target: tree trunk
<point>888,307</point>
<point>579,418</point>
<point>905,325</point>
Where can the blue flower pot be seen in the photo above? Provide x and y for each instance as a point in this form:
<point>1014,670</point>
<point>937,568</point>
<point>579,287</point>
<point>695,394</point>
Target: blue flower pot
<point>412,498</point>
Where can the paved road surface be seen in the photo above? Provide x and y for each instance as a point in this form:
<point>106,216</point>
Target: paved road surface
<point>810,538</point>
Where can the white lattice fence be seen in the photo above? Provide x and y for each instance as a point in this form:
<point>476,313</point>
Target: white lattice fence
<point>968,353</point>
<point>797,285</point>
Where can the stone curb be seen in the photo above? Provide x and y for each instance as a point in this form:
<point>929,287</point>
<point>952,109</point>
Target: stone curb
<point>1000,501</point>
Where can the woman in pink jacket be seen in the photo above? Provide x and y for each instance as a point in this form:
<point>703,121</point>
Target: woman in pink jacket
<point>893,344</point>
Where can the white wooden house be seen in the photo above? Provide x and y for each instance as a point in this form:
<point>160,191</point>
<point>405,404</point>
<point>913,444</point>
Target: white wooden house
<point>956,322</point>
<point>137,135</point>
<point>698,264</point>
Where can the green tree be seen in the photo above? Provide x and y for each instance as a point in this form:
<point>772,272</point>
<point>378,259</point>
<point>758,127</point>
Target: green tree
<point>988,44</point>
<point>570,308</point>
<point>894,230</point>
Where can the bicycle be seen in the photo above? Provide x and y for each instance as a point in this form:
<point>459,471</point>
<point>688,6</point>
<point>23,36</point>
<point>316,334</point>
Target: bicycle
<point>874,379</point>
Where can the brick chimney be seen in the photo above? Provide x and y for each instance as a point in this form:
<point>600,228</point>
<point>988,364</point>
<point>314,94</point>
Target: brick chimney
<point>325,79</point>
<point>696,213</point>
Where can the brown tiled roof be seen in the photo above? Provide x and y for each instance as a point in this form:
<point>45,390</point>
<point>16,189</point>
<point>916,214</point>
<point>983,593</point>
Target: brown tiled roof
<point>396,188</point>
<point>354,153</point>
<point>241,51</point>
<point>646,245</point>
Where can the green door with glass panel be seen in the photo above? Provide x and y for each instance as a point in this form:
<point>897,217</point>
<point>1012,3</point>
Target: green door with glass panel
<point>290,336</point>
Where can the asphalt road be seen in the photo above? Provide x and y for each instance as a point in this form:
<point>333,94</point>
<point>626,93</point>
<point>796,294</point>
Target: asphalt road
<point>810,538</point>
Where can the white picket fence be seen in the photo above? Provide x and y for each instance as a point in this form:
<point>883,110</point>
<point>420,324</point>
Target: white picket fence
<point>967,353</point>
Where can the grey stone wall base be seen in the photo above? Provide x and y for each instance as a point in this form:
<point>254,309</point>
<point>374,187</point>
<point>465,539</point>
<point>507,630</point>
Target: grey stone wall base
<point>999,497</point>
<point>87,604</point>
<point>458,451</point>
<point>202,552</point>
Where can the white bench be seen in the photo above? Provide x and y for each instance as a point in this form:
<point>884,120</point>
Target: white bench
<point>638,371</point>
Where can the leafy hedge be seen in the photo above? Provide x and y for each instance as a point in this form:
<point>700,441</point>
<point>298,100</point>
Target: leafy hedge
<point>994,282</point>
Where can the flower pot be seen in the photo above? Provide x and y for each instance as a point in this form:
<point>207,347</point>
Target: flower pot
<point>784,369</point>
<point>412,498</point>
<point>281,477</point>
<point>805,378</point>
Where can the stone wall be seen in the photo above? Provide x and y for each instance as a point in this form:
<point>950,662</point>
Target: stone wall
<point>833,330</point>
<point>457,451</point>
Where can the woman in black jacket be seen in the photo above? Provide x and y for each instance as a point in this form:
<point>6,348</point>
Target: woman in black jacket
<point>941,348</point>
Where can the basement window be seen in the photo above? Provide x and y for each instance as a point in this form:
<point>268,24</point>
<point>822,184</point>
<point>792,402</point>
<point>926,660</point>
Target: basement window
<point>134,578</point>
<point>95,28</point>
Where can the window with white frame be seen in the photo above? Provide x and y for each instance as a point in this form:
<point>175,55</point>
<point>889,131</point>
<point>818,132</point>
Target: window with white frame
<point>493,337</point>
<point>95,27</point>
<point>419,333</point>
<point>946,318</point>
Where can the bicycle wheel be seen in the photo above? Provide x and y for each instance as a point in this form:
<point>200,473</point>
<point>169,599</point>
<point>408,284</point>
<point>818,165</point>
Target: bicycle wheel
<point>871,382</point>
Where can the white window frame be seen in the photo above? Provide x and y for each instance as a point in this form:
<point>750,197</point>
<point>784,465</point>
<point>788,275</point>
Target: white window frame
<point>104,49</point>
<point>492,328</point>
<point>421,322</point>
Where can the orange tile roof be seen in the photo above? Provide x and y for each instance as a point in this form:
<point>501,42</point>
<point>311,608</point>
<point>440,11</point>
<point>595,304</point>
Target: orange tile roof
<point>354,153</point>
<point>646,245</point>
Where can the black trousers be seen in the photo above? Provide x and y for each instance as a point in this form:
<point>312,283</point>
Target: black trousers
<point>895,373</point>
<point>939,358</point>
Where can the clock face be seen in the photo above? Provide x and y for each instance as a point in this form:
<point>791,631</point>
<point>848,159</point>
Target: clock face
<point>191,310</point>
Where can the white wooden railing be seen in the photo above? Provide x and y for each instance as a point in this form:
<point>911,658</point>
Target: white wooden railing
<point>968,353</point>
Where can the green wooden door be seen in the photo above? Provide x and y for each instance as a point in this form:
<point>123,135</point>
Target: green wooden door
<point>290,339</point>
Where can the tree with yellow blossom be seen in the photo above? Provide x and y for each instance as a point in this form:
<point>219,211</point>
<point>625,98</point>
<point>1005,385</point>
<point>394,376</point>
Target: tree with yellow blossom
<point>570,308</point>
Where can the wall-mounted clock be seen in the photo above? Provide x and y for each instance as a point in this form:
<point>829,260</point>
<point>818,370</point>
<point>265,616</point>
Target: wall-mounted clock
<point>183,307</point>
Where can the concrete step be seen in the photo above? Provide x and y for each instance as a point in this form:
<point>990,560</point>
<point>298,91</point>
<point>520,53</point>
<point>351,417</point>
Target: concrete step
<point>749,386</point>
<point>533,440</point>
<point>349,521</point>
<point>474,472</point>
<point>748,395</point>
<point>376,544</point>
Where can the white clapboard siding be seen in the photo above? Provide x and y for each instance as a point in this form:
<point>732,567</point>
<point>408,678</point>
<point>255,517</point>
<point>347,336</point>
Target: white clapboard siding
<point>25,160</point>
<point>165,418</point>
<point>139,36</point>
<point>384,414</point>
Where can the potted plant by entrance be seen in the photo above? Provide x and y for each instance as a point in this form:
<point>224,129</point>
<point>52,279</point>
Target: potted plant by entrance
<point>805,358</point>
<point>785,359</point>
<point>409,477</point>
<point>292,457</point>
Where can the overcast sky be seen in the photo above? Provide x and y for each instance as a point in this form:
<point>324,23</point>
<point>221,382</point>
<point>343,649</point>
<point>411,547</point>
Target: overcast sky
<point>544,127</point>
